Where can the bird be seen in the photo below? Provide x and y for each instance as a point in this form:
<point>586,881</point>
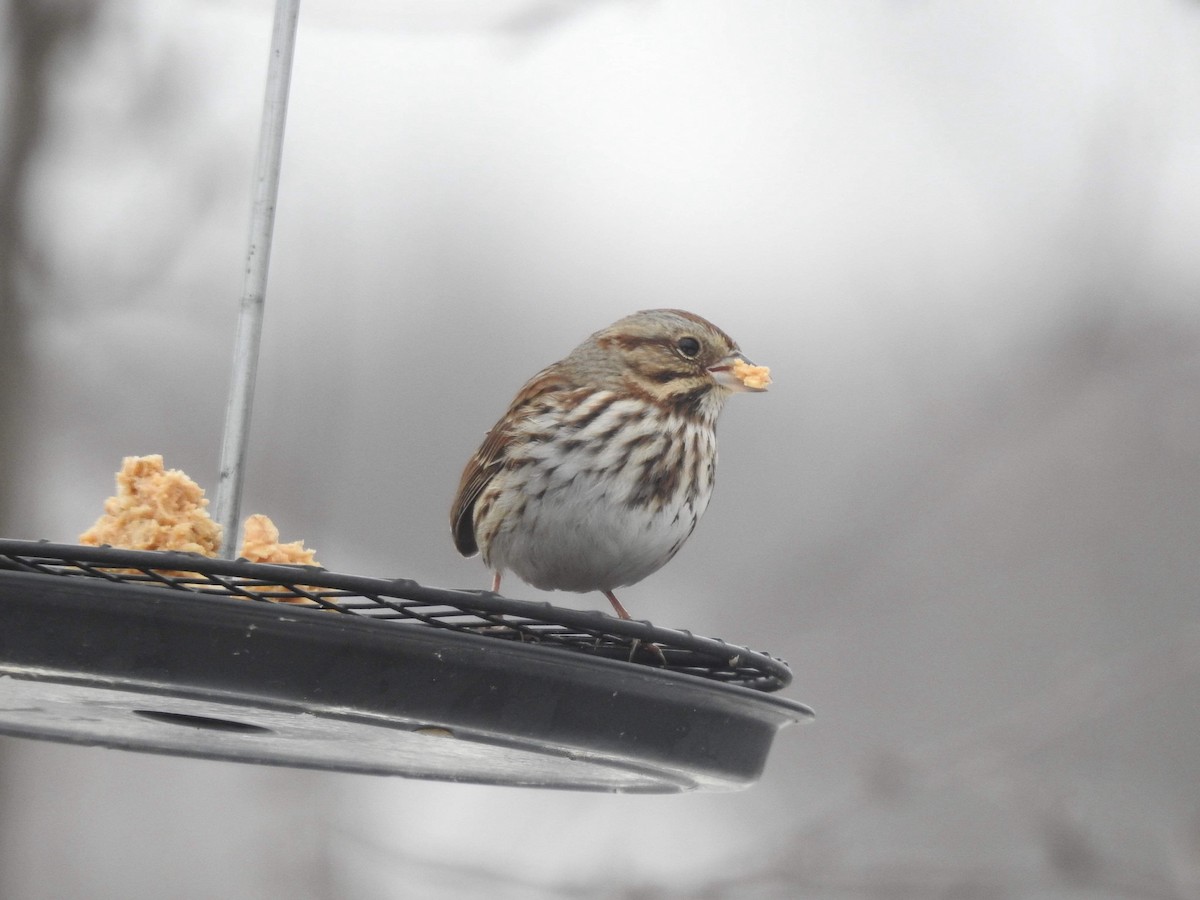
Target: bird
<point>602,465</point>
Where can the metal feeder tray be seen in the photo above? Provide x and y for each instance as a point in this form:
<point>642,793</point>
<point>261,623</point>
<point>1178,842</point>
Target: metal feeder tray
<point>161,652</point>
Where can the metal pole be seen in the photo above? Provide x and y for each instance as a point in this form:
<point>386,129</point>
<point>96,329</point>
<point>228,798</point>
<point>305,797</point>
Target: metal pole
<point>258,260</point>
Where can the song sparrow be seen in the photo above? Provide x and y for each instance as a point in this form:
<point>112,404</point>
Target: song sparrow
<point>604,462</point>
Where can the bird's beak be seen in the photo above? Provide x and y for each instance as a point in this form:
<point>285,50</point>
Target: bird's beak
<point>736,373</point>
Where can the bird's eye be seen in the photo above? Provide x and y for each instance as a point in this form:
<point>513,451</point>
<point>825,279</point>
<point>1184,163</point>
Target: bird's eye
<point>688,346</point>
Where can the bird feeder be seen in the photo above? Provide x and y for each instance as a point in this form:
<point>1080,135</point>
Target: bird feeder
<point>183,654</point>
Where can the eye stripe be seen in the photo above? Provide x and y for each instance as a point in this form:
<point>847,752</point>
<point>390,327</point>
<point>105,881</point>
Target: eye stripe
<point>666,376</point>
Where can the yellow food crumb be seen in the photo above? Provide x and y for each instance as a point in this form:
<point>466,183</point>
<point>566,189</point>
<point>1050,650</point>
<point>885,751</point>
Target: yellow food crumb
<point>155,509</point>
<point>260,543</point>
<point>163,509</point>
<point>755,378</point>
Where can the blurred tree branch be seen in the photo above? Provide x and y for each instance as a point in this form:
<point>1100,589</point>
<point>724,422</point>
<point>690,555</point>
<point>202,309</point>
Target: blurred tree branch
<point>35,30</point>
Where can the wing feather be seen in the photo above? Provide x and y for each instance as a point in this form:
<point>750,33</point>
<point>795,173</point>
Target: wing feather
<point>492,454</point>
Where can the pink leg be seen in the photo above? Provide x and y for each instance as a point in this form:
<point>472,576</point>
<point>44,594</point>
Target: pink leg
<point>612,598</point>
<point>622,613</point>
<point>496,583</point>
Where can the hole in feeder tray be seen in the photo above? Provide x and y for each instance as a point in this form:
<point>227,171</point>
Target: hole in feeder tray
<point>434,731</point>
<point>201,721</point>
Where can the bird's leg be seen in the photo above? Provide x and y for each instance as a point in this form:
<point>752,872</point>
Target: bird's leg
<point>498,618</point>
<point>624,614</point>
<point>621,612</point>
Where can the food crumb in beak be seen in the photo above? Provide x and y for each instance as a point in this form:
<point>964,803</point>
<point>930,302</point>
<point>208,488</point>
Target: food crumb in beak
<point>753,378</point>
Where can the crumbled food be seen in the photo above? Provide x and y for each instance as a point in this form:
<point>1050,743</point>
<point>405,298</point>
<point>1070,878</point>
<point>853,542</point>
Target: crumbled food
<point>260,543</point>
<point>155,509</point>
<point>755,378</point>
<point>162,509</point>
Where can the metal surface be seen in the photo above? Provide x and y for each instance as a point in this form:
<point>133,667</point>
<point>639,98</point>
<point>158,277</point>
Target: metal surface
<point>401,602</point>
<point>258,261</point>
<point>485,694</point>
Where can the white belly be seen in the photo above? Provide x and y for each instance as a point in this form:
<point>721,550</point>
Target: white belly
<point>571,528</point>
<point>580,540</point>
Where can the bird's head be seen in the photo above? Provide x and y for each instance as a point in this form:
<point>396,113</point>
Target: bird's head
<point>674,358</point>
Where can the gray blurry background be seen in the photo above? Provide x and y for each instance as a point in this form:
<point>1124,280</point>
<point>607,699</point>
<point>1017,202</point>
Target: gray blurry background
<point>963,236</point>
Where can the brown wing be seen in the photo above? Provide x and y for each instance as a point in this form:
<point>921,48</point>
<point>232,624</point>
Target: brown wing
<point>490,457</point>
